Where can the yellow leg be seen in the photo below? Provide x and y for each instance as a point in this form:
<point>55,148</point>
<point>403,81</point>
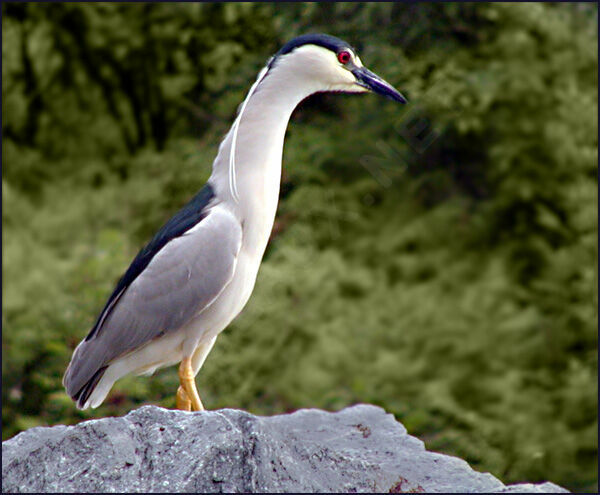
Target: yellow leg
<point>188,384</point>
<point>183,401</point>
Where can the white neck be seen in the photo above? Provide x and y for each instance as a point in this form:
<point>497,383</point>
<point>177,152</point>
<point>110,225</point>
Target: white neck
<point>249,184</point>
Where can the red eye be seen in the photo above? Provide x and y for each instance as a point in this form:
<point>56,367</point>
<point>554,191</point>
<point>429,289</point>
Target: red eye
<point>344,57</point>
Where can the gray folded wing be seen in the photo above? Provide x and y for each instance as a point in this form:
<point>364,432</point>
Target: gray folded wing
<point>181,280</point>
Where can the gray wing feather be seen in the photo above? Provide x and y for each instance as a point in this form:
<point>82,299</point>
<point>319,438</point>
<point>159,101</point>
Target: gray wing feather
<point>184,278</point>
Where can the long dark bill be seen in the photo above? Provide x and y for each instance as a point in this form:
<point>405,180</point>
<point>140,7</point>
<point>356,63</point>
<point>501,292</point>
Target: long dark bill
<point>371,81</point>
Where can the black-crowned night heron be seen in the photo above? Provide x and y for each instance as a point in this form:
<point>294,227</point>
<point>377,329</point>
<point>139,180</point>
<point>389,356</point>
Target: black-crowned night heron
<point>197,273</point>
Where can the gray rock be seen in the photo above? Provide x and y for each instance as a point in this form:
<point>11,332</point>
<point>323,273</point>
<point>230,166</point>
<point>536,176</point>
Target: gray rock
<point>359,449</point>
<point>546,487</point>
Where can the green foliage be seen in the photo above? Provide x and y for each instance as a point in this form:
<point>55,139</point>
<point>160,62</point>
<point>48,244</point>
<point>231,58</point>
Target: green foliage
<point>452,282</point>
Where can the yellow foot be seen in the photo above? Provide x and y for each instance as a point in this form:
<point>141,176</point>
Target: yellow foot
<point>183,401</point>
<point>188,384</point>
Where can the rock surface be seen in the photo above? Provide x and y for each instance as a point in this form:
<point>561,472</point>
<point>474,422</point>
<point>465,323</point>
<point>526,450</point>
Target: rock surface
<point>359,449</point>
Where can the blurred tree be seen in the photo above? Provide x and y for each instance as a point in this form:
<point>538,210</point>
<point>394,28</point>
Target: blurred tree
<point>138,64</point>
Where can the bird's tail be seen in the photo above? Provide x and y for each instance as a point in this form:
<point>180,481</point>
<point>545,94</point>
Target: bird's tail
<point>78,381</point>
<point>84,392</point>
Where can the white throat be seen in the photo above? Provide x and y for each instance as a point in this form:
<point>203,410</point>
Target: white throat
<point>249,179</point>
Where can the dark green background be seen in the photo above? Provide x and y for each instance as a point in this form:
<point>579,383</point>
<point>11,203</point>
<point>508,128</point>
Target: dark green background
<point>453,284</point>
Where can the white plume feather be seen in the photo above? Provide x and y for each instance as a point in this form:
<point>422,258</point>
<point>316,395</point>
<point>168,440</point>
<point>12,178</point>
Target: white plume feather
<point>236,125</point>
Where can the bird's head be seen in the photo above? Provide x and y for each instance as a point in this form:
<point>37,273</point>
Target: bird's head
<point>326,63</point>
